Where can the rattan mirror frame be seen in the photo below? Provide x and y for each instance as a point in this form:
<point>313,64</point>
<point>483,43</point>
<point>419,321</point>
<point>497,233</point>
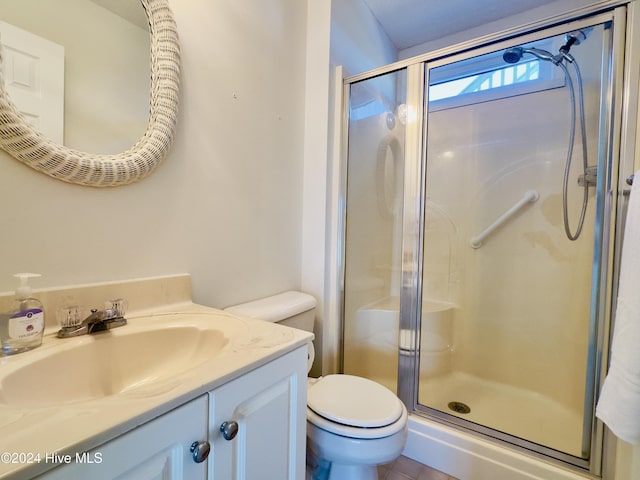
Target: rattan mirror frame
<point>26,144</point>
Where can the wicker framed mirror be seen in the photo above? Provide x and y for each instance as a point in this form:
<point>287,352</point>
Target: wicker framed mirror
<point>28,145</point>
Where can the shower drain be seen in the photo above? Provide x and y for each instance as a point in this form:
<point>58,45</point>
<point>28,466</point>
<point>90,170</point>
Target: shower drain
<point>459,407</point>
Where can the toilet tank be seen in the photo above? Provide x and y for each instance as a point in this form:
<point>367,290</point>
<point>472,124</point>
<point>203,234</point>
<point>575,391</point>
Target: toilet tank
<point>293,309</point>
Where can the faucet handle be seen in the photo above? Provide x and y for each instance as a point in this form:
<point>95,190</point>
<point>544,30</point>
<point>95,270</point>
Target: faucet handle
<point>69,316</point>
<point>119,305</point>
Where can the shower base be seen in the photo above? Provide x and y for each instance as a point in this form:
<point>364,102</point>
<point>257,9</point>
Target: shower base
<point>518,412</point>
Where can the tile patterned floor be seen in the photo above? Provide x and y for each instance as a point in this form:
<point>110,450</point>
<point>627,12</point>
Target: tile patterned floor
<point>406,469</point>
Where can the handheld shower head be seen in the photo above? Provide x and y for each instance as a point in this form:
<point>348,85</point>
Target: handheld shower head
<point>513,55</point>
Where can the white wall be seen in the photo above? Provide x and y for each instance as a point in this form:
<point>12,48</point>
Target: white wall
<point>315,255</point>
<point>241,139</point>
<point>225,205</point>
<point>358,42</point>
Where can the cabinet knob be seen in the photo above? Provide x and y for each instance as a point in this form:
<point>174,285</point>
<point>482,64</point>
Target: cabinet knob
<point>200,451</point>
<point>229,430</point>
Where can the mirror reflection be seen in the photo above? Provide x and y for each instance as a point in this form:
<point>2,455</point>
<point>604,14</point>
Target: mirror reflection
<point>106,67</point>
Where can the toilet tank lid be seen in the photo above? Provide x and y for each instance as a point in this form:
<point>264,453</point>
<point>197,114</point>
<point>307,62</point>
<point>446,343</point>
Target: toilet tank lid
<point>275,308</point>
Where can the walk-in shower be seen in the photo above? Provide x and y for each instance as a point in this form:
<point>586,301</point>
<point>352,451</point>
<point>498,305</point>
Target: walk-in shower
<point>478,250</point>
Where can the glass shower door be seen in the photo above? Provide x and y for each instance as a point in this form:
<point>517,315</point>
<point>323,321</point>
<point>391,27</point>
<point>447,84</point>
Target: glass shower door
<point>506,294</point>
<point>374,194</point>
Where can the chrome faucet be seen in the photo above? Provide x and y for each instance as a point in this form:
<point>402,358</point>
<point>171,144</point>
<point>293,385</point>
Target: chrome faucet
<point>111,317</point>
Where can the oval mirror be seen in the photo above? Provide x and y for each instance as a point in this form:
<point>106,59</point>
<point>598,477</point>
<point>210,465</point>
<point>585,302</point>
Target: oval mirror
<point>27,144</point>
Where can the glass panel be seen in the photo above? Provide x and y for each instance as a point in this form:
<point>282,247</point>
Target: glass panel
<point>501,77</point>
<point>506,294</point>
<point>375,175</point>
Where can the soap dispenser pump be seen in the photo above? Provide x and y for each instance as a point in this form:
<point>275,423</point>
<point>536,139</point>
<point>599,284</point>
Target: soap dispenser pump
<point>22,327</point>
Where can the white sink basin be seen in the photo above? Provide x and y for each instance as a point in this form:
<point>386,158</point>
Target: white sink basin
<point>130,360</point>
<point>75,394</point>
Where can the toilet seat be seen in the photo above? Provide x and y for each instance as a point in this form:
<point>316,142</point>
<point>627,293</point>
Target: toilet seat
<point>357,432</point>
<point>354,407</point>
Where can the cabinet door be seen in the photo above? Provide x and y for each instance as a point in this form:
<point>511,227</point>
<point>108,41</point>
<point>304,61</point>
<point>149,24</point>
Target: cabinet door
<point>269,407</point>
<point>157,450</point>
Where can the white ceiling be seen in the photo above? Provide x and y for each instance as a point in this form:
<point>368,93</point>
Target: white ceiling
<point>412,22</point>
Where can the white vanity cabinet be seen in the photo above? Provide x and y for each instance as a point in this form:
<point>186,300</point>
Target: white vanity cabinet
<point>263,417</point>
<point>268,407</point>
<point>157,449</point>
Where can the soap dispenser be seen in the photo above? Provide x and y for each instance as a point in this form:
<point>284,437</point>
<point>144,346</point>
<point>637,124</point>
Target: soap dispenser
<point>22,327</point>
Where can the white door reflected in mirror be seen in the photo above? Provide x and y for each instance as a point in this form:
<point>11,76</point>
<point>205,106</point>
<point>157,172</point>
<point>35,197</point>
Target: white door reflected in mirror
<point>33,72</point>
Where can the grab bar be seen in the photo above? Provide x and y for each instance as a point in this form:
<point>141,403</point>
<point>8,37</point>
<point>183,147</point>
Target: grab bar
<point>530,196</point>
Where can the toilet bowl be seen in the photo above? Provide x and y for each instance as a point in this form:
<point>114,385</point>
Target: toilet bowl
<point>353,423</point>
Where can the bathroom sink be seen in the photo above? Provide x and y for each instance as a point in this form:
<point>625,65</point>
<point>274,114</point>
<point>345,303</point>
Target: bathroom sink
<point>135,362</point>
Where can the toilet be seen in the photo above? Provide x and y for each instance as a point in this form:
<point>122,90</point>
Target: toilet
<point>353,424</point>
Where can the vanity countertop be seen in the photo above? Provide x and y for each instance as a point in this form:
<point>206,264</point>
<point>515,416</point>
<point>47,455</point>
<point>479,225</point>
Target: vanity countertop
<point>36,433</point>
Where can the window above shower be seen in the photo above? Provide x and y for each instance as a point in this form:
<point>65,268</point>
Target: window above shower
<point>489,77</point>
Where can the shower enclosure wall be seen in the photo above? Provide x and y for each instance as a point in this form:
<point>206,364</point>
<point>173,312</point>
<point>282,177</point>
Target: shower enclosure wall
<point>463,291</point>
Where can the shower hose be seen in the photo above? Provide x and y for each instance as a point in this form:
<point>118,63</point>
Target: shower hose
<point>572,135</point>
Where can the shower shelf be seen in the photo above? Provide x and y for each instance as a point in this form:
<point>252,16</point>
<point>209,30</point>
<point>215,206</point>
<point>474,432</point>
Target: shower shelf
<point>530,196</point>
